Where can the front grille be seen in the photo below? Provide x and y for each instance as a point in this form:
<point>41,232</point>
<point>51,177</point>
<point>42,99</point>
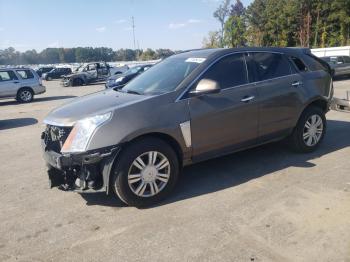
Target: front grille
<point>55,137</point>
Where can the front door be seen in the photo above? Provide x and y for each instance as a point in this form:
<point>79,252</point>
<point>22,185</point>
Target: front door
<point>227,121</point>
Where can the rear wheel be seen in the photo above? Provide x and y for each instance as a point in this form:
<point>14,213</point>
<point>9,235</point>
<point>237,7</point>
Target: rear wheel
<point>25,95</point>
<point>310,130</point>
<point>146,172</point>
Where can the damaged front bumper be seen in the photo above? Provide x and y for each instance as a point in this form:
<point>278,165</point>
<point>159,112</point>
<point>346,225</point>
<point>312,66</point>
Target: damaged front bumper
<point>90,170</point>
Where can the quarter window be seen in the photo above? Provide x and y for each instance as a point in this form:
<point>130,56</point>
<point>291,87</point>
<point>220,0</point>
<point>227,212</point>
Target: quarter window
<point>269,66</point>
<point>25,74</point>
<point>230,71</point>
<point>299,64</point>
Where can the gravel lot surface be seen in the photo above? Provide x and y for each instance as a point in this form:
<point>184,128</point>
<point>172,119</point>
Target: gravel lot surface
<point>265,204</point>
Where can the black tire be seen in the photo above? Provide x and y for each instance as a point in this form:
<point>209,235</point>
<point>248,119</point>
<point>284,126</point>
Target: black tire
<point>78,82</point>
<point>25,95</point>
<point>119,181</point>
<point>296,140</point>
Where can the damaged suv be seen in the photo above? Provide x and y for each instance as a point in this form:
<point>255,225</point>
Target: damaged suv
<point>90,73</point>
<point>193,106</point>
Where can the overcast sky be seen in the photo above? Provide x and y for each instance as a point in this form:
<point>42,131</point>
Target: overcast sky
<point>174,24</point>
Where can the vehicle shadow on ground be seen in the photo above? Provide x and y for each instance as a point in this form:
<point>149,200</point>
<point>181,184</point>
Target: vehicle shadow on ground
<point>37,100</point>
<point>235,169</point>
<point>340,78</point>
<point>17,122</point>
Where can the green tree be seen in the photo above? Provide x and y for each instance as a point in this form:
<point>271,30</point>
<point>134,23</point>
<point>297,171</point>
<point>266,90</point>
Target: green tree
<point>235,27</point>
<point>212,40</point>
<point>221,14</point>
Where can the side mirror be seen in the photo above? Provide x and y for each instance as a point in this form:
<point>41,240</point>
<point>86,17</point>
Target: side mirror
<point>205,87</point>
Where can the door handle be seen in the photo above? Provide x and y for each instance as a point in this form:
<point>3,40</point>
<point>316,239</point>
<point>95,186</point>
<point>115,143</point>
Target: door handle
<point>247,99</point>
<point>297,84</point>
<point>16,82</point>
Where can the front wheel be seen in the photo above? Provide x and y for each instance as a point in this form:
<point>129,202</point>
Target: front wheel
<point>145,173</point>
<point>310,130</point>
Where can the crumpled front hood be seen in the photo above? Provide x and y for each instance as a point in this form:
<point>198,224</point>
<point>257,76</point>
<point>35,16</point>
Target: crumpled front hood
<point>90,105</point>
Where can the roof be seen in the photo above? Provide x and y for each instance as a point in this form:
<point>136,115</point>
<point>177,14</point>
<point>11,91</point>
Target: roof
<point>205,53</point>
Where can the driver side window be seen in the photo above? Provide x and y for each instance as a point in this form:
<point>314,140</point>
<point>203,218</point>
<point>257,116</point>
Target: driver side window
<point>230,71</point>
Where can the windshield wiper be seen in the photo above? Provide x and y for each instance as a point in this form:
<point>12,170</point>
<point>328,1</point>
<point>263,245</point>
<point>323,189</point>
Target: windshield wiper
<point>132,92</point>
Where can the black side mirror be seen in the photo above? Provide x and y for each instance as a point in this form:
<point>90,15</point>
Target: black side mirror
<point>205,87</point>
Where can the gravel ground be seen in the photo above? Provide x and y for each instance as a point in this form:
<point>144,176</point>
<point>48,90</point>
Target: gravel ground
<point>265,204</point>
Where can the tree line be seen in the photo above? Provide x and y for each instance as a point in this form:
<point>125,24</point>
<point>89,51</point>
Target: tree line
<point>10,56</point>
<point>303,23</point>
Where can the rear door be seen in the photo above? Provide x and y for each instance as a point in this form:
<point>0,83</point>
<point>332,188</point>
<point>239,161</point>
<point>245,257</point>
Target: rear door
<point>9,83</point>
<point>278,91</point>
<point>226,121</point>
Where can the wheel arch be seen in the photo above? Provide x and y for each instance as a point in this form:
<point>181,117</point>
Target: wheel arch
<point>171,141</point>
<point>25,87</point>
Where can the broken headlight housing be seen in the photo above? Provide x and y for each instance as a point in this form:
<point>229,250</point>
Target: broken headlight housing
<point>79,137</point>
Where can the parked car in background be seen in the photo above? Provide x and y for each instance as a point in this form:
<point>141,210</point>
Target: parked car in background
<point>190,107</point>
<point>89,73</point>
<point>57,73</point>
<point>42,70</point>
<point>340,64</point>
<point>121,80</point>
<point>20,83</point>
<point>117,70</point>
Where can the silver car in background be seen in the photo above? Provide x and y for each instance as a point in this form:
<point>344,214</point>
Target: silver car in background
<point>20,83</point>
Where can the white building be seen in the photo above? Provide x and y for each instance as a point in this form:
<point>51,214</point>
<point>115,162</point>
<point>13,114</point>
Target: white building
<point>332,51</point>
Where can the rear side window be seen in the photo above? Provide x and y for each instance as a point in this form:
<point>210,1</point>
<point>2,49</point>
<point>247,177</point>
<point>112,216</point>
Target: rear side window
<point>299,64</point>
<point>230,71</point>
<point>7,76</point>
<point>25,74</point>
<point>269,66</point>
<point>315,63</point>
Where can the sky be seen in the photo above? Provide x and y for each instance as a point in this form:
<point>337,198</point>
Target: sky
<point>38,24</point>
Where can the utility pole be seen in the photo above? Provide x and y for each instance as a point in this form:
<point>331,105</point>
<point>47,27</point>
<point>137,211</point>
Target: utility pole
<point>133,31</point>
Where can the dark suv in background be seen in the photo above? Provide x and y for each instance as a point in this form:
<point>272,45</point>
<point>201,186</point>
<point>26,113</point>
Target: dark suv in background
<point>42,70</point>
<point>340,64</point>
<point>190,107</point>
<point>57,73</point>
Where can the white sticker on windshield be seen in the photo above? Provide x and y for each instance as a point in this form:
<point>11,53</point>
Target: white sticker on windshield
<point>197,60</point>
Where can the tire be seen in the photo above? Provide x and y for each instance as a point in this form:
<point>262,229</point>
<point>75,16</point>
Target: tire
<point>126,181</point>
<point>77,82</point>
<point>25,95</point>
<point>311,126</point>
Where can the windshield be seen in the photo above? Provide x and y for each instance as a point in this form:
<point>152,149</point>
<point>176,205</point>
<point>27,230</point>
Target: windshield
<point>163,77</point>
<point>133,70</point>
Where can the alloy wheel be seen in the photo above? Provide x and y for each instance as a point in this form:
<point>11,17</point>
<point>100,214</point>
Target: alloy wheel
<point>313,130</point>
<point>26,96</point>
<point>149,174</point>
